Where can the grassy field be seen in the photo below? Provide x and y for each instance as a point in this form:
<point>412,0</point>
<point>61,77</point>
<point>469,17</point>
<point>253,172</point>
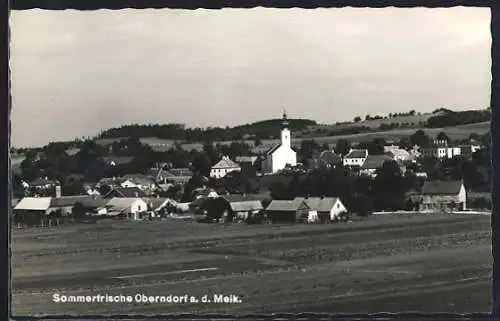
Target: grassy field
<point>390,263</point>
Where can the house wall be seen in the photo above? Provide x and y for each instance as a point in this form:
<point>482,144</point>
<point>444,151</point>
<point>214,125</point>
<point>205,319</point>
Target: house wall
<point>312,216</point>
<point>337,209</point>
<point>129,184</point>
<point>221,172</point>
<point>431,202</point>
<point>65,210</point>
<point>137,207</point>
<point>354,161</point>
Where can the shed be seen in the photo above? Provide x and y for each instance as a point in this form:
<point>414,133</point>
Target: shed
<point>129,207</point>
<point>443,196</point>
<point>323,209</point>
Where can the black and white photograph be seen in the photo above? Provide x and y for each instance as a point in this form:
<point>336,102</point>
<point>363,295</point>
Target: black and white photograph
<point>250,161</point>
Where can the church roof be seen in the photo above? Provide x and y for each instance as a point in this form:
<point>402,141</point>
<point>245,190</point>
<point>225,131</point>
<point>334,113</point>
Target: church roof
<point>225,163</point>
<point>273,149</point>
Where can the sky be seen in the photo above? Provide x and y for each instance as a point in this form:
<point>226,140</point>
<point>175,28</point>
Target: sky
<point>76,73</point>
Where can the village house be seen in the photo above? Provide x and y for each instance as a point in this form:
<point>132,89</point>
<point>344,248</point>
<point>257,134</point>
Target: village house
<point>288,211</point>
<point>443,196</point>
<point>355,158</point>
<point>373,163</point>
<point>326,159</point>
<point>64,204</point>
<point>399,155</point>
<point>246,160</point>
<point>32,211</point>
<point>140,181</point>
<point>244,206</point>
<point>281,155</point>
<point>468,150</point>
<point>323,209</point>
<point>224,167</point>
<point>441,149</point>
<point>126,207</point>
<point>126,192</point>
<point>179,176</point>
<point>44,186</point>
<point>159,205</point>
<point>391,147</point>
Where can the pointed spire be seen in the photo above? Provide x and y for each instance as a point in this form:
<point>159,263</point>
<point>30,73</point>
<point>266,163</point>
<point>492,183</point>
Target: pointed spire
<point>284,123</point>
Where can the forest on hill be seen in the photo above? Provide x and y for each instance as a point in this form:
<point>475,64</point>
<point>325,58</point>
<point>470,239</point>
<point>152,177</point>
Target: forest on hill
<point>266,129</point>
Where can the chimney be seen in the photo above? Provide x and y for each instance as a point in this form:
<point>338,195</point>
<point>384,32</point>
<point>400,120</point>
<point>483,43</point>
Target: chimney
<point>58,191</point>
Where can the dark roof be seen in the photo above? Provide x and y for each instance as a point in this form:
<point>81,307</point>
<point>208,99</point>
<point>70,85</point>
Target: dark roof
<point>127,192</point>
<point>375,161</point>
<point>67,200</point>
<point>357,153</point>
<point>246,159</point>
<point>273,149</point>
<point>94,202</point>
<point>441,187</point>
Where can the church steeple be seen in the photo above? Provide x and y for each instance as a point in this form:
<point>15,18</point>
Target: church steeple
<point>284,122</point>
<point>285,132</point>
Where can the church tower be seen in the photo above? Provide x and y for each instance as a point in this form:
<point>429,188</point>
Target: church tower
<point>285,132</point>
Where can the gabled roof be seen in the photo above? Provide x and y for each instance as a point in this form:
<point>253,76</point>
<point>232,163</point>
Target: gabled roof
<point>285,205</point>
<point>127,192</point>
<point>273,149</point>
<point>246,206</point>
<point>68,200</point>
<point>156,203</point>
<point>225,163</point>
<point>357,153</point>
<point>441,187</point>
<point>319,204</point>
<point>121,204</point>
<point>111,180</point>
<point>34,204</point>
<point>375,161</point>
<point>139,179</point>
<point>399,152</point>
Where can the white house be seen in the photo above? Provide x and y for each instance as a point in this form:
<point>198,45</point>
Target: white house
<point>399,155</point>
<point>323,208</point>
<point>355,157</point>
<point>126,206</point>
<point>443,196</point>
<point>224,167</point>
<point>282,154</point>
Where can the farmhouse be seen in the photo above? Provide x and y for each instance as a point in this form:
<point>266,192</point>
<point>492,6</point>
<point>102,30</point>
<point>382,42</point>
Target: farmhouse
<point>140,181</point>
<point>178,175</point>
<point>281,155</point>
<point>326,159</point>
<point>355,158</point>
<point>246,160</point>
<point>32,211</point>
<point>245,209</point>
<point>373,163</point>
<point>323,209</point>
<point>125,192</point>
<point>64,204</point>
<point>441,149</point>
<point>159,204</point>
<point>126,207</point>
<point>223,167</point>
<point>285,211</point>
<point>443,196</point>
<point>399,155</point>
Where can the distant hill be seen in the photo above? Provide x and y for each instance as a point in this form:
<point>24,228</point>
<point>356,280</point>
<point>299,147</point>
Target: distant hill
<point>265,129</point>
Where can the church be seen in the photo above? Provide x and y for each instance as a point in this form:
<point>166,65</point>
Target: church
<point>281,155</point>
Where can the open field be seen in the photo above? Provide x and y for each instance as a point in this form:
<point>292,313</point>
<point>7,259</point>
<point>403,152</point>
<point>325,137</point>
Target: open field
<point>455,133</point>
<point>385,263</point>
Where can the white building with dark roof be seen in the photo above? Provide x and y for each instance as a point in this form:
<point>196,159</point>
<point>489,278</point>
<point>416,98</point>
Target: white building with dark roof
<point>282,154</point>
<point>224,167</point>
<point>355,157</point>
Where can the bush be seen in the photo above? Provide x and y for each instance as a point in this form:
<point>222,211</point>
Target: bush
<point>480,203</point>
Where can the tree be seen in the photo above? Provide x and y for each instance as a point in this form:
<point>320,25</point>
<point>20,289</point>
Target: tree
<point>342,147</point>
<point>388,187</point>
<point>307,149</point>
<point>201,164</point>
<point>443,137</point>
<point>216,208</point>
<point>368,117</point>
<point>279,191</point>
<point>420,138</point>
<point>357,119</point>
<point>78,212</point>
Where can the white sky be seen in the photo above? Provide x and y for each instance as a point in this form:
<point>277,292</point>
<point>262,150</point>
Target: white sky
<point>75,72</point>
